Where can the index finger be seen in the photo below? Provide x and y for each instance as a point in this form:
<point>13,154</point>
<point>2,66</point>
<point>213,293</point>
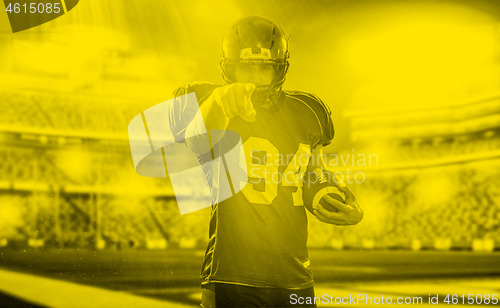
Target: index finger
<point>249,88</point>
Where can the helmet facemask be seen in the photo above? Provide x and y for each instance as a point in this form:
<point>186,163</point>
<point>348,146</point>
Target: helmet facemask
<point>263,93</point>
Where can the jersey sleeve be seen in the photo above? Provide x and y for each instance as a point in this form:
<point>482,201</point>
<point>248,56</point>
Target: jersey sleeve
<point>182,111</point>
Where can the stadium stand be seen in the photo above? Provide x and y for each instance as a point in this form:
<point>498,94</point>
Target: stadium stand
<point>67,178</point>
<point>432,186</point>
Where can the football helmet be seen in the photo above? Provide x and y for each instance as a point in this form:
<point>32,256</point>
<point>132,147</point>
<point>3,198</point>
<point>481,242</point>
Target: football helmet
<point>256,40</point>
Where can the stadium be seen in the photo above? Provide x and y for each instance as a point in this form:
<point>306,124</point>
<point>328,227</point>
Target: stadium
<point>80,227</point>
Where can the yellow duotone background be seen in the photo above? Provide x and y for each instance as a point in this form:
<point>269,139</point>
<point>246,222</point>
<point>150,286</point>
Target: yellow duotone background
<point>414,89</point>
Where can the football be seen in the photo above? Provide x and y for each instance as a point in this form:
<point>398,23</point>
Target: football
<point>318,184</point>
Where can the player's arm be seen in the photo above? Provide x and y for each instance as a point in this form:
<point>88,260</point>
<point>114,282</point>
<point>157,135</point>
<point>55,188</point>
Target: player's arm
<point>221,105</point>
<point>349,213</point>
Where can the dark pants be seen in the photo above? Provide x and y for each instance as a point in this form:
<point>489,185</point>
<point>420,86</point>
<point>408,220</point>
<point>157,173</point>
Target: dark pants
<point>218,295</point>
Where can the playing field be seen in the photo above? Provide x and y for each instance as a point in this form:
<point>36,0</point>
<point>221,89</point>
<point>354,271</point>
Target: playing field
<point>172,275</point>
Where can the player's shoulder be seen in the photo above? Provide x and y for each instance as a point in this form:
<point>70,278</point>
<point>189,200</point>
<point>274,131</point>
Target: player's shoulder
<point>309,99</point>
<point>201,88</point>
<point>320,111</point>
<point>302,94</point>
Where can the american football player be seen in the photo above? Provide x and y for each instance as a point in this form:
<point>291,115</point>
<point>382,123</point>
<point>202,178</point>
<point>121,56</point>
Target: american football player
<point>257,253</point>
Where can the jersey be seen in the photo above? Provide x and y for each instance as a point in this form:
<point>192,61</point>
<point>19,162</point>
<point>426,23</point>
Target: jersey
<point>258,236</point>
